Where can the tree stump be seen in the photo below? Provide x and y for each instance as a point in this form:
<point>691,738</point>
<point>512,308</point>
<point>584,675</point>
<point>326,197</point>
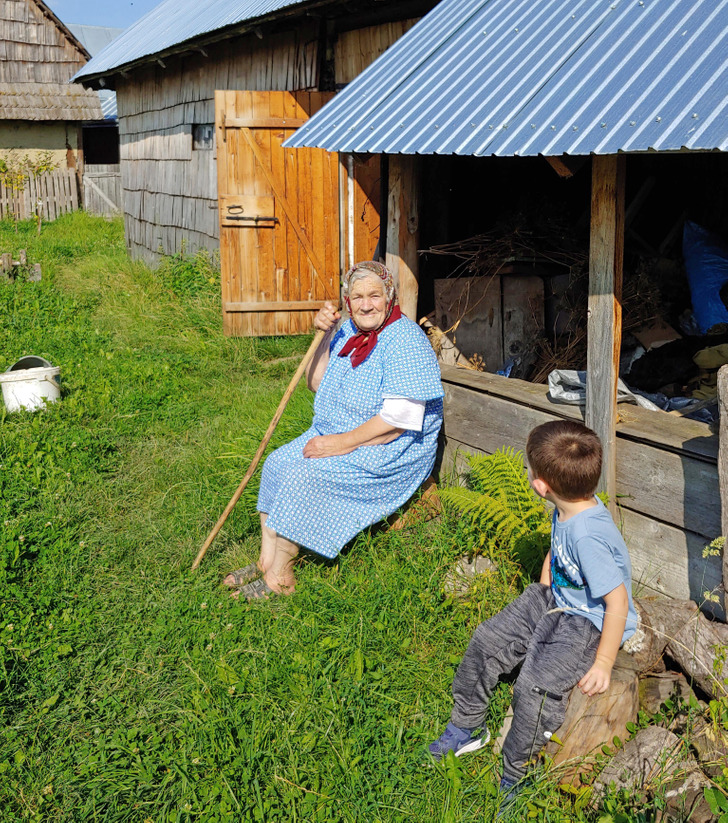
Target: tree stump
<point>590,722</point>
<point>710,743</point>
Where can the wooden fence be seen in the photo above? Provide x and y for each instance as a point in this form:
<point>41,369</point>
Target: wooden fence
<point>49,195</point>
<point>102,189</point>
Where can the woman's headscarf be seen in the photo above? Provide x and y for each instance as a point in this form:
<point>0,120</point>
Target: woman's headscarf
<point>362,344</point>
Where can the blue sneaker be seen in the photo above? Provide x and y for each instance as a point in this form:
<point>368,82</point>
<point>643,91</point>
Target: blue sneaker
<point>458,741</point>
<point>509,790</point>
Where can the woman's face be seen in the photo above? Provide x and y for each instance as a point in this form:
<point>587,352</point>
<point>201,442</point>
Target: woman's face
<point>368,303</point>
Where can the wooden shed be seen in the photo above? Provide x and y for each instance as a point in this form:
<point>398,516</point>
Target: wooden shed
<point>39,109</point>
<point>202,119</point>
<point>541,88</point>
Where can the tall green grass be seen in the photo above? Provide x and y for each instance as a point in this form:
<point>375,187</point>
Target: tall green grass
<point>134,690</point>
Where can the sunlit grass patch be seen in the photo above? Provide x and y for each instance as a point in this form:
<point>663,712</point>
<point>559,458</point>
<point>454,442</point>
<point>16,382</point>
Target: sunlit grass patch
<point>132,689</point>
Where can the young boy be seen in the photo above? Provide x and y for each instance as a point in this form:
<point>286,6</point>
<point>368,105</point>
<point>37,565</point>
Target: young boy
<point>565,630</point>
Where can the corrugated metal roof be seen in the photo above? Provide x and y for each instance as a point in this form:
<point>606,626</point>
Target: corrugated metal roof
<point>173,22</point>
<point>528,77</point>
<point>94,38</point>
<point>108,103</point>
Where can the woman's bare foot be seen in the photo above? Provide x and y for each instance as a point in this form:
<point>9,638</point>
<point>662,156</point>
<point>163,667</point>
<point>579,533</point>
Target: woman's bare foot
<point>285,584</point>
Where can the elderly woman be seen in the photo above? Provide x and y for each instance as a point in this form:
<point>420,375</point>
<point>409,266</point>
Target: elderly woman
<point>377,414</point>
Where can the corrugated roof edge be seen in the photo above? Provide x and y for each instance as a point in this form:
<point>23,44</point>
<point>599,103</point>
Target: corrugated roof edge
<point>96,68</point>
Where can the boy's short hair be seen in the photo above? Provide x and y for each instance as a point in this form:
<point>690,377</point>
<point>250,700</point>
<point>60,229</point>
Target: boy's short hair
<point>568,456</point>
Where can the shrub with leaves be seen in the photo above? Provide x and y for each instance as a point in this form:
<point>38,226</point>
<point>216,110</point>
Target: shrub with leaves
<point>501,510</point>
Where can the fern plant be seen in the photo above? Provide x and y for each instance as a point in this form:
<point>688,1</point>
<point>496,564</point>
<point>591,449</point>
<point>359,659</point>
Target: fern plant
<point>501,511</point>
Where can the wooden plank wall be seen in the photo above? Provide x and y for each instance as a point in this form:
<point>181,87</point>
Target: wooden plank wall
<point>169,191</point>
<point>356,49</point>
<point>56,192</point>
<point>38,57</point>
<point>102,188</point>
<point>353,52</point>
<point>33,48</point>
<point>667,476</point>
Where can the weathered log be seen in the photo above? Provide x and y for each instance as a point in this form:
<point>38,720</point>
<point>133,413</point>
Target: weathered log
<point>659,622</point>
<point>654,690</point>
<point>700,648</point>
<point>710,743</point>
<point>657,764</point>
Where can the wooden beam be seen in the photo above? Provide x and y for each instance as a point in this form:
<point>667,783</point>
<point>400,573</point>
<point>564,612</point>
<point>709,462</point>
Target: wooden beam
<point>282,305</point>
<point>565,166</point>
<point>604,324</point>
<point>264,122</point>
<point>403,230</point>
<point>723,462</point>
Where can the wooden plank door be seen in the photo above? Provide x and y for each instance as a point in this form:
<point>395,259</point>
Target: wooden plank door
<point>279,214</point>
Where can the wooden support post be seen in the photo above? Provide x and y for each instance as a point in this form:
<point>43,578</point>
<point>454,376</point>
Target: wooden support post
<point>6,265</point>
<point>604,325</point>
<point>723,463</point>
<point>35,273</point>
<point>403,230</point>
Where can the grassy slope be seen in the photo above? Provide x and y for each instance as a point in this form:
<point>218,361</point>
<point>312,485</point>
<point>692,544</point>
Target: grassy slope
<point>134,690</point>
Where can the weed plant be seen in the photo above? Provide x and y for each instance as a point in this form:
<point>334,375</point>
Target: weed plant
<point>132,689</point>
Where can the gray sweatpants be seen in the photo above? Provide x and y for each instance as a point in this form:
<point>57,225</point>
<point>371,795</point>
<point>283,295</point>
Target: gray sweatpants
<point>556,649</point>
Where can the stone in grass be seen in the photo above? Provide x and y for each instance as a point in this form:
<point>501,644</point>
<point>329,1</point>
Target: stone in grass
<point>657,688</point>
<point>459,579</point>
<point>656,764</point>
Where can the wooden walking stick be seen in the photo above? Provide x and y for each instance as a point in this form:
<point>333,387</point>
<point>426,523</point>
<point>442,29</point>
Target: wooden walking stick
<point>318,337</point>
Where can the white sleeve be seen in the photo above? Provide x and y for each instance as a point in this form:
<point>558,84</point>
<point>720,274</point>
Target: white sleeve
<point>403,412</point>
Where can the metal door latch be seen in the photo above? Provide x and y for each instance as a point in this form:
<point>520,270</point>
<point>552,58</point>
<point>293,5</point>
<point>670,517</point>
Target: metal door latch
<point>236,213</point>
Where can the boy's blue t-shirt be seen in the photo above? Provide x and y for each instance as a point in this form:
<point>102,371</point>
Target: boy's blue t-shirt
<point>589,559</point>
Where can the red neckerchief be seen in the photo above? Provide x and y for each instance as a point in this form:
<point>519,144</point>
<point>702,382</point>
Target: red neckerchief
<point>362,344</point>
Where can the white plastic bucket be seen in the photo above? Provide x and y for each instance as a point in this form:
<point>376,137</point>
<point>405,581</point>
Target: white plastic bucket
<point>30,383</point>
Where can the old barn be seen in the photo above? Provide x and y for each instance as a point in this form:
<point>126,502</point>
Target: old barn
<point>271,65</point>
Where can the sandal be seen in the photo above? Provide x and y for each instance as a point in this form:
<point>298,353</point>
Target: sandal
<point>257,590</point>
<point>242,576</point>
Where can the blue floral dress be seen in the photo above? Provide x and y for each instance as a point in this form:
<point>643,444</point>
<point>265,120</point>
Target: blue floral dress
<point>322,502</point>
